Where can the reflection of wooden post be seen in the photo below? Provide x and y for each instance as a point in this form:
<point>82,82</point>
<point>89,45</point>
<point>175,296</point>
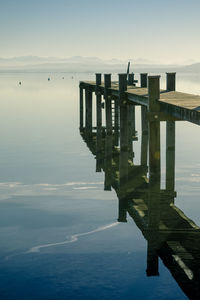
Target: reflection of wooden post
<point>143,80</point>
<point>170,155</point>
<point>144,142</point>
<point>154,177</point>
<point>123,135</point>
<point>108,163</point>
<point>170,139</point>
<point>81,108</point>
<point>116,123</point>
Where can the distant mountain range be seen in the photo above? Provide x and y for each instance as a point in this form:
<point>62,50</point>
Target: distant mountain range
<point>88,64</point>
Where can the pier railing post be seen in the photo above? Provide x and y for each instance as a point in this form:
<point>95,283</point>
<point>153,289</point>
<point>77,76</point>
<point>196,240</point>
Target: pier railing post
<point>143,80</point>
<point>81,107</point>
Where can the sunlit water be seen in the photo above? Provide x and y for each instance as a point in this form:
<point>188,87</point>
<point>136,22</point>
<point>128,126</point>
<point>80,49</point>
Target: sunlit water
<point>58,230</point>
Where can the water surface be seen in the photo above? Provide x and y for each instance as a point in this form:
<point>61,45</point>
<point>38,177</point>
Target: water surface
<point>59,234</point>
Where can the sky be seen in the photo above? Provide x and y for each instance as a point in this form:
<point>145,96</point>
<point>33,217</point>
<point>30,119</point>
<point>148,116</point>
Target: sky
<point>164,31</point>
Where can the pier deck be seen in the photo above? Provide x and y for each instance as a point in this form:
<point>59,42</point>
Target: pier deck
<point>182,106</point>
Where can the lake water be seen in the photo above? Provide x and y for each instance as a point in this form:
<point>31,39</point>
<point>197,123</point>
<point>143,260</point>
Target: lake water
<point>59,234</point>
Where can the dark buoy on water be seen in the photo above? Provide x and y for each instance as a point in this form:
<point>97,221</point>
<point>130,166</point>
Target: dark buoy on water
<point>63,77</point>
<point>49,79</point>
<point>20,83</point>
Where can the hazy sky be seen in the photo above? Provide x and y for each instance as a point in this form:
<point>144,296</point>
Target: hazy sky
<point>158,30</point>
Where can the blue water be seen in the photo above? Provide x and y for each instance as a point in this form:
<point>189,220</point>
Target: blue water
<point>58,231</point>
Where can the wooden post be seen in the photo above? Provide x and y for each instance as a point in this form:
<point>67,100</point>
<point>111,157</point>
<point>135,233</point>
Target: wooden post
<point>86,109</point>
<point>143,80</point>
<point>170,140</point>
<point>108,140</point>
<point>90,112</point>
<point>116,122</point>
<point>154,127</point>
<point>123,168</point>
<point>170,155</point>
<point>98,102</point>
<point>99,124</point>
<point>108,163</point>
<point>81,108</point>
<point>144,142</point>
<point>154,176</point>
<point>131,78</point>
<point>130,125</point>
<point>107,83</point>
<point>171,81</point>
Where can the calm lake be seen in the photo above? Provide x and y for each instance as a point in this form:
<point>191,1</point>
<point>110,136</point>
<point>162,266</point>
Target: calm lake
<point>60,238</point>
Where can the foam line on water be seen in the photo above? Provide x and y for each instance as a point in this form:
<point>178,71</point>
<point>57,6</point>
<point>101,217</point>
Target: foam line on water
<point>73,238</point>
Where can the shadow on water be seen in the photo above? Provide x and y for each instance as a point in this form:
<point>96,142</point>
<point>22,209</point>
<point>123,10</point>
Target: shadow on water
<point>170,234</point>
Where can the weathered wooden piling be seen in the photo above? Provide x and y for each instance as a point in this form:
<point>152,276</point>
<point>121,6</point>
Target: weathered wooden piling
<point>154,127</point>
<point>143,80</point>
<point>154,173</point>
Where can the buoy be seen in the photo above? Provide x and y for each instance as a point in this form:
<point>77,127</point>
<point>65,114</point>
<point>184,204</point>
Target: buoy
<point>20,83</point>
<point>48,79</point>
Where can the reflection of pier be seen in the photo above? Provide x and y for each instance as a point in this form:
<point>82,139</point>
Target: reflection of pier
<point>170,234</point>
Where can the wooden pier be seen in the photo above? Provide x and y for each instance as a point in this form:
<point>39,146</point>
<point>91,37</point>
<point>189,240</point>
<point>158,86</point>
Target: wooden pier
<point>170,234</point>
